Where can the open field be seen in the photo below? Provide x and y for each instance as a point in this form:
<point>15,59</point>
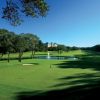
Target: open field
<point>50,77</point>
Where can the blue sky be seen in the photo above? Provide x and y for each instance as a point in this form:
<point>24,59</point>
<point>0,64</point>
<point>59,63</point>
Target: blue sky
<point>69,22</point>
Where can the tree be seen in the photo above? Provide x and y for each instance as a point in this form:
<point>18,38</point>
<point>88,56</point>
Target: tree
<point>31,42</point>
<point>3,43</point>
<point>42,46</point>
<point>96,48</point>
<point>20,44</point>
<point>6,42</point>
<point>11,42</point>
<point>14,9</point>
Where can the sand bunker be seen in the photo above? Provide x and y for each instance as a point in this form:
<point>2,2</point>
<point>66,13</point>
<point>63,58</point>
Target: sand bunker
<point>27,64</point>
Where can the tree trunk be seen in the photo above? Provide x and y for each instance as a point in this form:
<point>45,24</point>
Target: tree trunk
<point>20,56</point>
<point>1,56</point>
<point>19,59</point>
<point>32,54</point>
<point>8,56</point>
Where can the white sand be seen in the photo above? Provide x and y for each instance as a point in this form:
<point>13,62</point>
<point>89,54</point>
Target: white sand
<point>27,64</point>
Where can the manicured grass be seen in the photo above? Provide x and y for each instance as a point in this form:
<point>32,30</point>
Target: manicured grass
<point>52,53</point>
<point>45,75</point>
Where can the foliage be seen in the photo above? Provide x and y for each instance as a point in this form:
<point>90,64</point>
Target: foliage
<point>96,48</point>
<point>31,42</point>
<point>11,42</point>
<point>15,9</point>
<point>6,42</point>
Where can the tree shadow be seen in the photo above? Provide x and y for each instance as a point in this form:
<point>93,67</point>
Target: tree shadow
<point>90,92</point>
<point>41,54</point>
<point>34,63</point>
<point>80,79</point>
<point>82,86</point>
<point>90,60</point>
<point>83,64</point>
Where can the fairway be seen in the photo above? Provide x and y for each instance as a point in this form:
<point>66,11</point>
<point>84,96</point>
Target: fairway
<point>43,75</point>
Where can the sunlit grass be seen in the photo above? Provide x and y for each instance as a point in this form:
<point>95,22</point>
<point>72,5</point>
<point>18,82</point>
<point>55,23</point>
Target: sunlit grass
<point>52,53</point>
<point>41,75</point>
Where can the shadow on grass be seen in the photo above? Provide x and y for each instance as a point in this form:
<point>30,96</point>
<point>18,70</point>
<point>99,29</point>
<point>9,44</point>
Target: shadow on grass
<point>80,79</point>
<point>82,86</point>
<point>90,60</point>
<point>41,54</point>
<point>90,92</point>
<point>33,63</point>
<point>83,64</point>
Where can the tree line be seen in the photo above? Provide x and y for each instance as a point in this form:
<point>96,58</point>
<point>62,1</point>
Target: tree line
<point>95,48</point>
<point>11,42</point>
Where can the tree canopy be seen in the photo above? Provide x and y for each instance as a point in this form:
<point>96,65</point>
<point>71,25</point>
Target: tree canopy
<point>15,9</point>
<point>11,42</point>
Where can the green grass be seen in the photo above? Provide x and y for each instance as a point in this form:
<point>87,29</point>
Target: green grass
<point>52,53</point>
<point>45,75</point>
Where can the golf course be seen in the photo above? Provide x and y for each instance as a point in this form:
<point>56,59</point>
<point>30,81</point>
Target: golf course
<point>49,49</point>
<point>33,78</point>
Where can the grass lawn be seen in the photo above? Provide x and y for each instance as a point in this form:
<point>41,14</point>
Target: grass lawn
<point>47,75</point>
<point>52,53</point>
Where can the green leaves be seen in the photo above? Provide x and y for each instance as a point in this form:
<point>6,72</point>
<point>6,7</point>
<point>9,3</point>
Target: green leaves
<point>14,10</point>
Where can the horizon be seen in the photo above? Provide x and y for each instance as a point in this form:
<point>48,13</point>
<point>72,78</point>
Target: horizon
<point>71,23</point>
